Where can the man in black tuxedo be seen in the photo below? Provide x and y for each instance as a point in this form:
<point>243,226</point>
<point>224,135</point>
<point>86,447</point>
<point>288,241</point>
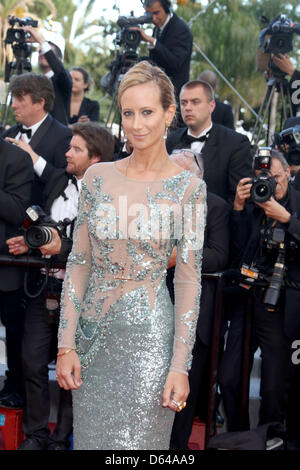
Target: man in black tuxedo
<point>90,144</point>
<point>38,133</point>
<point>215,259</point>
<point>226,154</point>
<point>222,114</point>
<point>51,65</point>
<point>274,326</point>
<point>171,44</point>
<point>16,177</point>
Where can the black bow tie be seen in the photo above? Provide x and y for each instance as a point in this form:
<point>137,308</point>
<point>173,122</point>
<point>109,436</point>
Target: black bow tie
<point>189,139</point>
<point>74,181</point>
<point>22,129</point>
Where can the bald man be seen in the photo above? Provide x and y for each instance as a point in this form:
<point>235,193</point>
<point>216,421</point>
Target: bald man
<point>222,113</point>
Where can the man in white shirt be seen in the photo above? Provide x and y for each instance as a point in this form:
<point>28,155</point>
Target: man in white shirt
<point>90,144</point>
<point>226,154</point>
<point>38,133</point>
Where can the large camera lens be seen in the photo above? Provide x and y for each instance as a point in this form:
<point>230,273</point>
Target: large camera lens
<point>263,188</point>
<point>38,235</point>
<point>131,38</point>
<point>281,42</point>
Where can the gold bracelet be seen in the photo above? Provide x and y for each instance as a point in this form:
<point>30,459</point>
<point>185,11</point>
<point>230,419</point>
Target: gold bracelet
<point>65,352</point>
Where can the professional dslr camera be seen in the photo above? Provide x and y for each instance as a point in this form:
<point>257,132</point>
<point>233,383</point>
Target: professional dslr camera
<point>288,142</point>
<point>130,40</point>
<point>37,227</point>
<point>264,185</point>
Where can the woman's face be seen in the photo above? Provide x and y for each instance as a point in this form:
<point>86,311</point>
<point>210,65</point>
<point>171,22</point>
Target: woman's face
<point>78,83</point>
<point>143,117</point>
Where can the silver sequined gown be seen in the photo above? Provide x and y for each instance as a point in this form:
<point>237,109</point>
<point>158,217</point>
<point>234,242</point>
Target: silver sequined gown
<point>127,332</point>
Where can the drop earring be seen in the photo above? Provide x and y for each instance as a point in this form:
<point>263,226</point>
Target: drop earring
<point>166,130</point>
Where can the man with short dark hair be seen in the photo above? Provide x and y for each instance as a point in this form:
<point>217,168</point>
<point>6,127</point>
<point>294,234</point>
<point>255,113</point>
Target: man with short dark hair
<point>170,47</point>
<point>38,133</point>
<point>226,154</point>
<point>51,65</point>
<point>90,144</point>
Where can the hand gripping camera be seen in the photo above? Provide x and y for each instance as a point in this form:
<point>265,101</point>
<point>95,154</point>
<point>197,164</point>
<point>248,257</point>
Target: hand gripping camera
<point>37,227</point>
<point>264,185</point>
<point>19,35</point>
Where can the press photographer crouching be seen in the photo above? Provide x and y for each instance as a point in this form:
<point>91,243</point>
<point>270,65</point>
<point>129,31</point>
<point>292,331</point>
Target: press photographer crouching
<point>265,231</point>
<point>50,234</point>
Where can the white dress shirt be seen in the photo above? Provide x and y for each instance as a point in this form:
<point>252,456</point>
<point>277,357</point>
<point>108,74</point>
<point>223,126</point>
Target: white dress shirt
<point>161,30</point>
<point>40,164</point>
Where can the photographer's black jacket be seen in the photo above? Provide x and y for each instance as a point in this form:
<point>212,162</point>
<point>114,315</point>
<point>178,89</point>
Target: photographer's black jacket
<point>246,228</point>
<point>62,84</point>
<point>16,178</point>
<point>173,51</point>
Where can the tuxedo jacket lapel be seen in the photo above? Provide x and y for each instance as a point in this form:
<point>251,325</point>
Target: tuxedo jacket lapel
<point>40,133</point>
<point>210,152</point>
<point>166,28</point>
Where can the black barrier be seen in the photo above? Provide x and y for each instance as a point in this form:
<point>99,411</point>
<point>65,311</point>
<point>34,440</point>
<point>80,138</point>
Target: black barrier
<point>30,262</point>
<point>215,350</point>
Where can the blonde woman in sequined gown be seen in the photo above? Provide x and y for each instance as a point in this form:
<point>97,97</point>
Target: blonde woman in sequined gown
<point>123,349</point>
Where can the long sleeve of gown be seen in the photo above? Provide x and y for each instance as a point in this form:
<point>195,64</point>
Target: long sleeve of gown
<point>77,273</point>
<point>187,280</point>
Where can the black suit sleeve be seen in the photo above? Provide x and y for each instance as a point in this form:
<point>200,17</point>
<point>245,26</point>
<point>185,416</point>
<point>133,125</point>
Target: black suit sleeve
<point>216,241</point>
<point>228,120</point>
<point>94,111</point>
<point>240,165</point>
<point>15,195</point>
<point>62,75</point>
<point>175,53</point>
<point>240,229</point>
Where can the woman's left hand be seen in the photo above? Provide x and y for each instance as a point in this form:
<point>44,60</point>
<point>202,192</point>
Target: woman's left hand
<point>176,391</point>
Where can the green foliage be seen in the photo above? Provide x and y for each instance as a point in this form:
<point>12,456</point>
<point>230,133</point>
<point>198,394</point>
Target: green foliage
<point>228,33</point>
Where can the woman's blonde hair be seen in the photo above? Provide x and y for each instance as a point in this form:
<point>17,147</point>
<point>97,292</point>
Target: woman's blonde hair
<point>144,72</point>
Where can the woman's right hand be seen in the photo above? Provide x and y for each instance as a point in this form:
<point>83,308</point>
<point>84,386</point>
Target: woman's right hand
<point>68,370</point>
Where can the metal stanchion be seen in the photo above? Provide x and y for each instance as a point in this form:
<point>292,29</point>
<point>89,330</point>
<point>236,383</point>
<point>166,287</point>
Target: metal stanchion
<point>215,350</point>
<point>245,372</point>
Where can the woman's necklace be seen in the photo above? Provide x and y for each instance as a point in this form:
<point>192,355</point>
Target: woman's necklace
<point>123,263</point>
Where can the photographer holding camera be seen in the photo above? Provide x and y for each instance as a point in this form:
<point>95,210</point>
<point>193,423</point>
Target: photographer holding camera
<point>90,144</point>
<point>265,225</point>
<point>171,45</point>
